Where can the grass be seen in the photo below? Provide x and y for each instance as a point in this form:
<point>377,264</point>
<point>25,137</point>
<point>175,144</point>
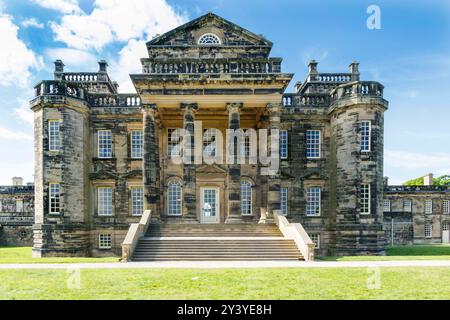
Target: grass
<point>23,255</point>
<point>328,283</point>
<point>413,252</point>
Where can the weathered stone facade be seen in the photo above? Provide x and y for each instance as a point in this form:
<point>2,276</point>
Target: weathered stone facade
<point>16,214</point>
<point>209,70</point>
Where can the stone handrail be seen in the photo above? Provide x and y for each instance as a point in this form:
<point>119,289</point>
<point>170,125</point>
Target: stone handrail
<point>295,232</point>
<point>357,88</point>
<point>135,232</point>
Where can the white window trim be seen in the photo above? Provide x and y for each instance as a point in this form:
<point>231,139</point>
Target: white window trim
<point>318,240</point>
<point>319,213</point>
<point>426,208</point>
<point>251,197</point>
<point>286,200</point>
<point>368,199</point>
<point>446,207</point>
<point>410,205</point>
<point>286,155</point>
<point>181,200</point>
<point>50,199</point>
<point>425,232</point>
<point>209,44</point>
<point>320,145</point>
<point>132,203</point>
<point>98,144</point>
<point>370,137</point>
<point>98,201</point>
<point>100,246</point>
<point>49,136</point>
<point>141,145</point>
<point>386,205</point>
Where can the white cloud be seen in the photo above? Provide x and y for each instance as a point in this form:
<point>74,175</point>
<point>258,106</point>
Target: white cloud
<point>23,112</point>
<point>72,57</point>
<point>14,135</point>
<point>32,22</point>
<point>116,20</point>
<point>63,6</point>
<point>16,59</point>
<point>128,63</point>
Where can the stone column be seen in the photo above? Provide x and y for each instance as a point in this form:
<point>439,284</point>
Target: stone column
<point>150,161</point>
<point>189,176</point>
<point>234,169</point>
<point>273,180</point>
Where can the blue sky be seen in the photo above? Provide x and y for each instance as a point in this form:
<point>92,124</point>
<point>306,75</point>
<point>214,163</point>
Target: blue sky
<point>410,55</point>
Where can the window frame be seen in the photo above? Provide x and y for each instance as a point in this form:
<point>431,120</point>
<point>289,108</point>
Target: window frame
<point>428,206</point>
<point>386,205</point>
<point>284,199</point>
<point>133,204</point>
<point>100,145</point>
<point>284,143</point>
<point>52,136</point>
<point>247,202</point>
<point>139,152</point>
<point>317,242</point>
<point>101,242</point>
<point>428,232</point>
<point>445,206</point>
<point>369,136</point>
<point>364,199</point>
<point>211,35</point>
<point>179,207</point>
<point>210,133</point>
<point>313,144</point>
<point>317,201</point>
<point>100,205</point>
<point>171,144</point>
<point>405,206</point>
<point>54,201</point>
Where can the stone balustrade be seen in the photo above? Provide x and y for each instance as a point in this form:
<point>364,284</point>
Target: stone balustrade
<point>212,66</point>
<point>305,100</point>
<point>330,77</point>
<point>357,88</point>
<point>408,189</point>
<point>118,100</point>
<point>58,88</point>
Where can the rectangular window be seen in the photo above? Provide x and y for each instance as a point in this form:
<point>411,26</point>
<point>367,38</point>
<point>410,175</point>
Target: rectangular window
<point>313,201</point>
<point>284,200</point>
<point>407,206</point>
<point>283,144</point>
<point>137,201</point>
<point>364,199</point>
<point>104,144</point>
<point>446,207</point>
<point>316,239</point>
<point>428,206</point>
<point>428,231</point>
<point>387,205</point>
<point>174,141</point>
<point>104,241</point>
<point>245,144</point>
<point>209,142</point>
<point>313,144</point>
<point>137,144</point>
<point>365,136</point>
<point>104,201</point>
<point>54,136</point>
<point>54,197</point>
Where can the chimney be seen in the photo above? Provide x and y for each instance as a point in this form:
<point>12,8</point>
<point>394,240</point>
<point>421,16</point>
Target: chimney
<point>59,69</point>
<point>102,66</point>
<point>312,66</point>
<point>354,70</point>
<point>17,181</point>
<point>428,180</point>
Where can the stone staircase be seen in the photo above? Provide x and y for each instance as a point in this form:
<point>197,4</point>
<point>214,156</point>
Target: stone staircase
<point>221,242</point>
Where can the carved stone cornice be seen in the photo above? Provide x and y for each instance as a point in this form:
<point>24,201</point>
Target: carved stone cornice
<point>234,107</point>
<point>189,107</point>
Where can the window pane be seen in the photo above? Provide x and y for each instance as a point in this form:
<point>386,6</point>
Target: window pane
<point>428,230</point>
<point>283,144</point>
<point>313,144</point>
<point>313,201</point>
<point>316,239</point>
<point>284,200</point>
<point>387,206</point>
<point>54,197</point>
<point>174,199</point>
<point>105,201</point>
<point>105,241</point>
<point>407,206</point>
<point>137,199</point>
<point>174,141</point>
<point>365,136</point>
<point>54,141</point>
<point>209,142</point>
<point>137,144</point>
<point>364,199</point>
<point>104,144</point>
<point>246,198</point>
<point>446,207</point>
<point>428,206</point>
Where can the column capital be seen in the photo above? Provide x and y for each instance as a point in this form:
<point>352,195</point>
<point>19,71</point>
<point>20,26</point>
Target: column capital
<point>151,108</point>
<point>233,107</point>
<point>189,107</point>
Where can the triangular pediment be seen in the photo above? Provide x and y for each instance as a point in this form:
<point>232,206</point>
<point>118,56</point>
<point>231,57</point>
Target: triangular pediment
<point>211,169</point>
<point>229,33</point>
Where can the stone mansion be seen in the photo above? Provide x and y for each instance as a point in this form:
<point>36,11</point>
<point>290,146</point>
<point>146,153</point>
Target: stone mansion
<point>103,158</point>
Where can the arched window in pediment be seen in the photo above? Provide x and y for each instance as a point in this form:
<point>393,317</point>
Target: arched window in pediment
<point>209,39</point>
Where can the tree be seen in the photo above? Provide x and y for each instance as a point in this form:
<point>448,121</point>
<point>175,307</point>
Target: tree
<point>439,181</point>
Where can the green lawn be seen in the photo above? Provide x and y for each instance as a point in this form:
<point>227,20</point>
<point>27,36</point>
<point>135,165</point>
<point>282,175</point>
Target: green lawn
<point>288,283</point>
<point>23,255</point>
<point>414,252</point>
